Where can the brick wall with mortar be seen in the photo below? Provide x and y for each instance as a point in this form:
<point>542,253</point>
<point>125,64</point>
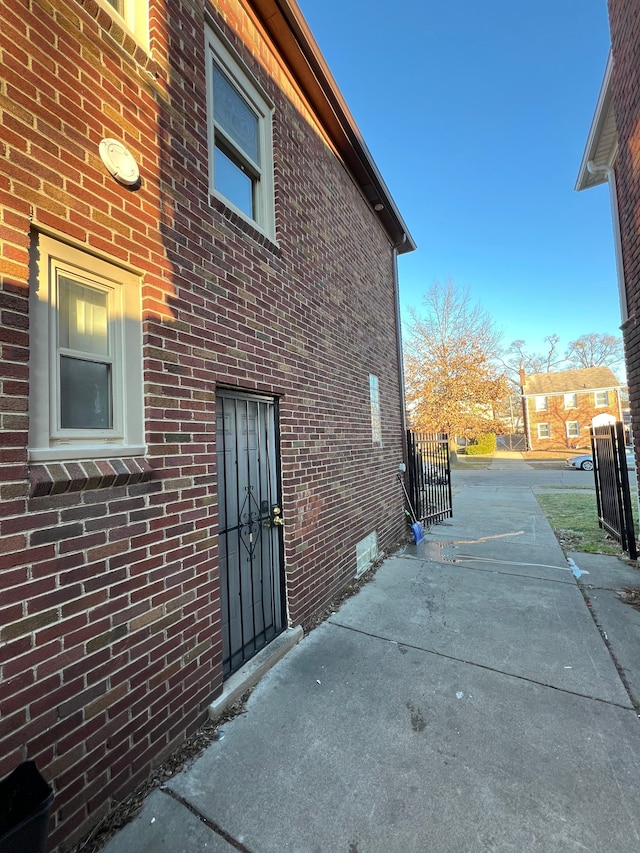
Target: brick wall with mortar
<point>557,416</point>
<point>110,641</point>
<point>624,20</point>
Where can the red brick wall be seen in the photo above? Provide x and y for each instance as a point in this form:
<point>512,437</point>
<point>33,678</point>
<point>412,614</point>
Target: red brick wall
<point>624,18</point>
<point>109,613</point>
<point>557,417</point>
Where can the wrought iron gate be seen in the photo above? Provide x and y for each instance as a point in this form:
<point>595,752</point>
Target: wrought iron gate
<point>429,476</point>
<point>613,495</point>
<point>251,582</point>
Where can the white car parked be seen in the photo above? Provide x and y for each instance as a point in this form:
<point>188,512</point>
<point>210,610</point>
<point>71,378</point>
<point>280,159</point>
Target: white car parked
<point>585,461</point>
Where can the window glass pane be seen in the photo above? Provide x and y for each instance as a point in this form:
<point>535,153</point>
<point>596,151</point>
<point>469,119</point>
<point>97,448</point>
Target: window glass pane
<point>82,317</point>
<point>232,182</point>
<point>85,394</point>
<point>234,115</point>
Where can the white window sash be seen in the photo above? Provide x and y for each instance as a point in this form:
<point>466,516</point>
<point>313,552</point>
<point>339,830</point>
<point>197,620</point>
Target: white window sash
<point>258,101</point>
<point>48,440</point>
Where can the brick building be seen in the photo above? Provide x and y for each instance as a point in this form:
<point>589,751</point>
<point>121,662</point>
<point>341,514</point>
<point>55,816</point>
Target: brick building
<point>612,155</point>
<point>200,341</point>
<point>559,407</point>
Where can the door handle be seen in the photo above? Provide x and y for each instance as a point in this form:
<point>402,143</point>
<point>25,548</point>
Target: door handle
<point>276,517</point>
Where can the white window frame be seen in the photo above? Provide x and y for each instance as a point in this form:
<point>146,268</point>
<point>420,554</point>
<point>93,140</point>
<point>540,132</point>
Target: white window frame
<point>376,418</point>
<point>541,404</point>
<point>258,101</point>
<point>600,405</point>
<point>571,401</point>
<point>47,439</point>
<point>542,427</point>
<point>570,425</point>
<point>133,15</point>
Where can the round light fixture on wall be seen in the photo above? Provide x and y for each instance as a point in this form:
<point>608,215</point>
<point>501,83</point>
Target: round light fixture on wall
<point>119,162</point>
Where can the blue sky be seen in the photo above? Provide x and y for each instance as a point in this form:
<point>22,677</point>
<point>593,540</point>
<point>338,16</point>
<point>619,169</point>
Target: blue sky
<point>477,114</point>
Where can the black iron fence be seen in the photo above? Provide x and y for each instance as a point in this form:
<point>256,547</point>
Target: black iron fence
<point>613,495</point>
<point>429,476</point>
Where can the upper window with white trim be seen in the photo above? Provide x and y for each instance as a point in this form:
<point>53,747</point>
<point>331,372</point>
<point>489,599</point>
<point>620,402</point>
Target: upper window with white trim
<point>86,369</point>
<point>571,401</point>
<point>541,404</point>
<point>240,138</point>
<point>601,398</point>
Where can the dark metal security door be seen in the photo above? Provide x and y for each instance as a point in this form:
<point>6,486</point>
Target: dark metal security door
<point>429,476</point>
<point>252,591</point>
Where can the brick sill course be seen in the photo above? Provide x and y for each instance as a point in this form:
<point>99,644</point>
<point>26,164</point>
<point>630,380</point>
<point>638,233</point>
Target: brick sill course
<point>58,478</point>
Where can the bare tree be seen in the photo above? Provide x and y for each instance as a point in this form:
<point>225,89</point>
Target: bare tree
<point>452,378</point>
<point>595,351</point>
<point>518,358</point>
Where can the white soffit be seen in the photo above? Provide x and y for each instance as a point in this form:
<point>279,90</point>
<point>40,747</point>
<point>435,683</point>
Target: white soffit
<point>602,141</point>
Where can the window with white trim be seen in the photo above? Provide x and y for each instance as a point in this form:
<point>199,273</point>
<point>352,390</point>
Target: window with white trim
<point>601,398</point>
<point>86,356</point>
<point>240,138</point>
<point>541,404</point>
<point>376,420</point>
<point>571,401</point>
<point>134,14</point>
<point>544,431</point>
<point>573,429</point>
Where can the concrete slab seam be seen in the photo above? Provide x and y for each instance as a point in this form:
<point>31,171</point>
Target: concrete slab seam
<point>485,667</point>
<point>497,571</point>
<point>512,563</point>
<point>605,639</point>
<point>516,575</point>
<point>214,827</point>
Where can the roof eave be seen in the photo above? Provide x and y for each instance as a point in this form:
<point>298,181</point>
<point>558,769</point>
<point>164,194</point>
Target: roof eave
<point>289,31</point>
<point>602,142</point>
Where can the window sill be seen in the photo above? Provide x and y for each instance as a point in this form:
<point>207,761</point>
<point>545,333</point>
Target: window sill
<point>244,226</point>
<point>57,478</point>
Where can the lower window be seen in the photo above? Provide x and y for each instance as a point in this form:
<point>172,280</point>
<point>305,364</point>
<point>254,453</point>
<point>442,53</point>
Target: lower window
<point>86,369</point>
<point>573,429</point>
<point>543,431</point>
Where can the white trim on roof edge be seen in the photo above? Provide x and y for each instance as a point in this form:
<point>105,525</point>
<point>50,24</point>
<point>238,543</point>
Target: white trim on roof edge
<point>602,142</point>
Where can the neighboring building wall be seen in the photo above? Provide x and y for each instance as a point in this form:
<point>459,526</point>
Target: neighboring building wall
<point>557,416</point>
<point>110,609</point>
<point>624,18</point>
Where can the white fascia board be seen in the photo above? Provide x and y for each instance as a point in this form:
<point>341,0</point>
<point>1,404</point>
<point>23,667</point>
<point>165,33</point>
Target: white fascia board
<point>602,141</point>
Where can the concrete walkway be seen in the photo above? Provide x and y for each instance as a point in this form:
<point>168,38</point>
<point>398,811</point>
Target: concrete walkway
<point>466,700</point>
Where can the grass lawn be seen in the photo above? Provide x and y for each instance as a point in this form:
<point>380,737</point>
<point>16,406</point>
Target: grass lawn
<point>460,461</point>
<point>574,520</point>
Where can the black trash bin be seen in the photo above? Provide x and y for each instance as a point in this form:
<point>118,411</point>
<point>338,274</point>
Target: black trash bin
<point>25,803</point>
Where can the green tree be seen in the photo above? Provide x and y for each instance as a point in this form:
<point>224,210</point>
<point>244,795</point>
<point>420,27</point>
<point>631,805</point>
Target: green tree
<point>453,382</point>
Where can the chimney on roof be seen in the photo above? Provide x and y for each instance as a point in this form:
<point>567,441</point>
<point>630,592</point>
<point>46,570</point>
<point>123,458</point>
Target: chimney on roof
<point>522,377</point>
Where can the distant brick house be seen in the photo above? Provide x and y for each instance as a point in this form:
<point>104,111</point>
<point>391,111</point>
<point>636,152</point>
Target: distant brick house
<point>611,155</point>
<point>559,408</point>
<point>200,341</point>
